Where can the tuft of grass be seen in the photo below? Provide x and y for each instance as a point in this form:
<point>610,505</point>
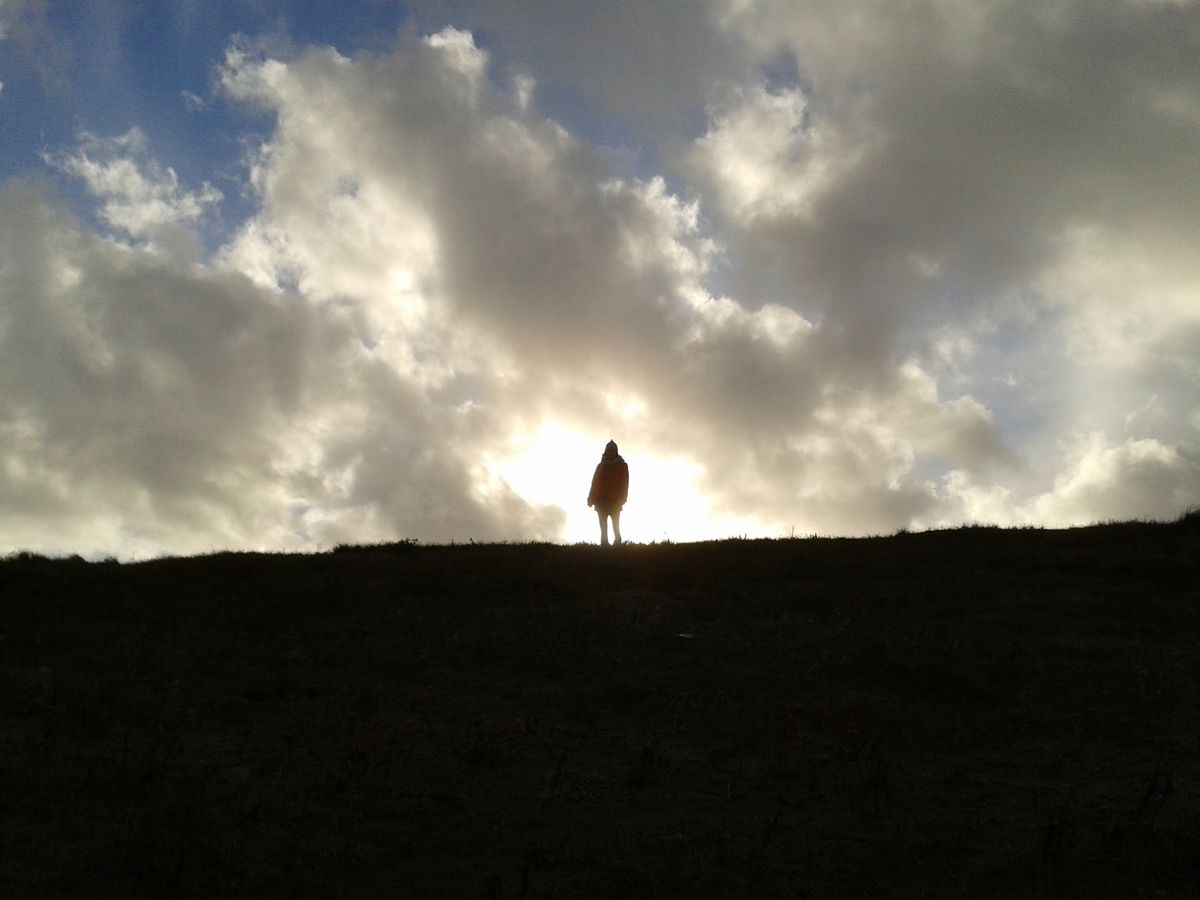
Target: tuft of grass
<point>390,547</point>
<point>1189,520</point>
<point>24,556</point>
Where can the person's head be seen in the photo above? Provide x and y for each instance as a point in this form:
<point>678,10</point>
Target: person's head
<point>610,449</point>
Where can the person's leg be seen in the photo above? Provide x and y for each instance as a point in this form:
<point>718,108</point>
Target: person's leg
<point>603,527</point>
<point>616,517</point>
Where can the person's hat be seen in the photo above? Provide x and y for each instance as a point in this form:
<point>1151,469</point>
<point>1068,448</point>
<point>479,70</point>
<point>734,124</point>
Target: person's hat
<point>610,447</point>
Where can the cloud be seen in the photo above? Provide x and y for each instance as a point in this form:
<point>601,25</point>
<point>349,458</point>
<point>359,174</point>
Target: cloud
<point>647,69</point>
<point>138,196</point>
<point>33,41</point>
<point>1133,479</point>
<point>154,405</point>
<point>763,159</point>
<point>976,135</point>
<point>890,289</point>
<point>140,396</point>
<point>1003,176</point>
<point>553,271</point>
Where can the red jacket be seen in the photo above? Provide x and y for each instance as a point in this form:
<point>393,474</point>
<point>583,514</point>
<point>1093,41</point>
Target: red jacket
<point>610,483</point>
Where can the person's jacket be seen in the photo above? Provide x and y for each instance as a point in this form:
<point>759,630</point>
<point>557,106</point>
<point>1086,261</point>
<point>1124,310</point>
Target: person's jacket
<point>610,483</point>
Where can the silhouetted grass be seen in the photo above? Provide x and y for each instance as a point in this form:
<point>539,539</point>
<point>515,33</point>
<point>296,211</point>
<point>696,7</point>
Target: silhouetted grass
<point>973,712</point>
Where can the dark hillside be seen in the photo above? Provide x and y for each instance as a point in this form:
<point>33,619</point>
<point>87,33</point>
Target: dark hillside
<point>978,712</point>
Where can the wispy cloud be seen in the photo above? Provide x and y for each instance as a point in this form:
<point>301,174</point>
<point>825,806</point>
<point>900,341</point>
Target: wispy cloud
<point>137,196</point>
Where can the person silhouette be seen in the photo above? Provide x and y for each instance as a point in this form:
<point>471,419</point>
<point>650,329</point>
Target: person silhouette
<point>610,489</point>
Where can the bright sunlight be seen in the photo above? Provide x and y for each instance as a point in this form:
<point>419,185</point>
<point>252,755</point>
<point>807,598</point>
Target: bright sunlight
<point>555,465</point>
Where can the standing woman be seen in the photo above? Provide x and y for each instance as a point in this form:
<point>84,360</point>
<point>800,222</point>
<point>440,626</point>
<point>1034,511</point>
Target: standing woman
<point>610,488</point>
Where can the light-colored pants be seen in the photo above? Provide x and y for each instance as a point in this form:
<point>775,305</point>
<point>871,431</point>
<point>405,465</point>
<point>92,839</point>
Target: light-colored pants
<point>604,515</point>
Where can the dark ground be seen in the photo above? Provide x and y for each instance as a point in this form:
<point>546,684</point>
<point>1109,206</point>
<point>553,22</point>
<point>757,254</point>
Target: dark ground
<point>970,713</point>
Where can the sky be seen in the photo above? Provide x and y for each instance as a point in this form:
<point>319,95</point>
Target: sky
<point>286,275</point>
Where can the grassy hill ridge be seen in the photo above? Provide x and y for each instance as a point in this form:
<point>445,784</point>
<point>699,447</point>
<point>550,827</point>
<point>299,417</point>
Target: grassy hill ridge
<point>972,712</point>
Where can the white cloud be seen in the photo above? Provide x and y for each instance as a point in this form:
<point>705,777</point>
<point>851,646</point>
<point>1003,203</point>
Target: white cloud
<point>1134,479</point>
<point>883,293</point>
<point>763,159</point>
<point>152,405</point>
<point>138,196</point>
<point>141,398</point>
<point>536,282</point>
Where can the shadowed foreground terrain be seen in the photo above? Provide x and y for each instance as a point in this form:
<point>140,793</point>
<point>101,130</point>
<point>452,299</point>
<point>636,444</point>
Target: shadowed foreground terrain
<point>961,713</point>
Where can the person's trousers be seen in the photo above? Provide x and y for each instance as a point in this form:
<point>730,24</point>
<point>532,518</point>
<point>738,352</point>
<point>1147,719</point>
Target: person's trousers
<point>605,513</point>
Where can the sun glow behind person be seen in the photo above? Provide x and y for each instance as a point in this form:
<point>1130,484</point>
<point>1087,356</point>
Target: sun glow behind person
<point>554,465</point>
